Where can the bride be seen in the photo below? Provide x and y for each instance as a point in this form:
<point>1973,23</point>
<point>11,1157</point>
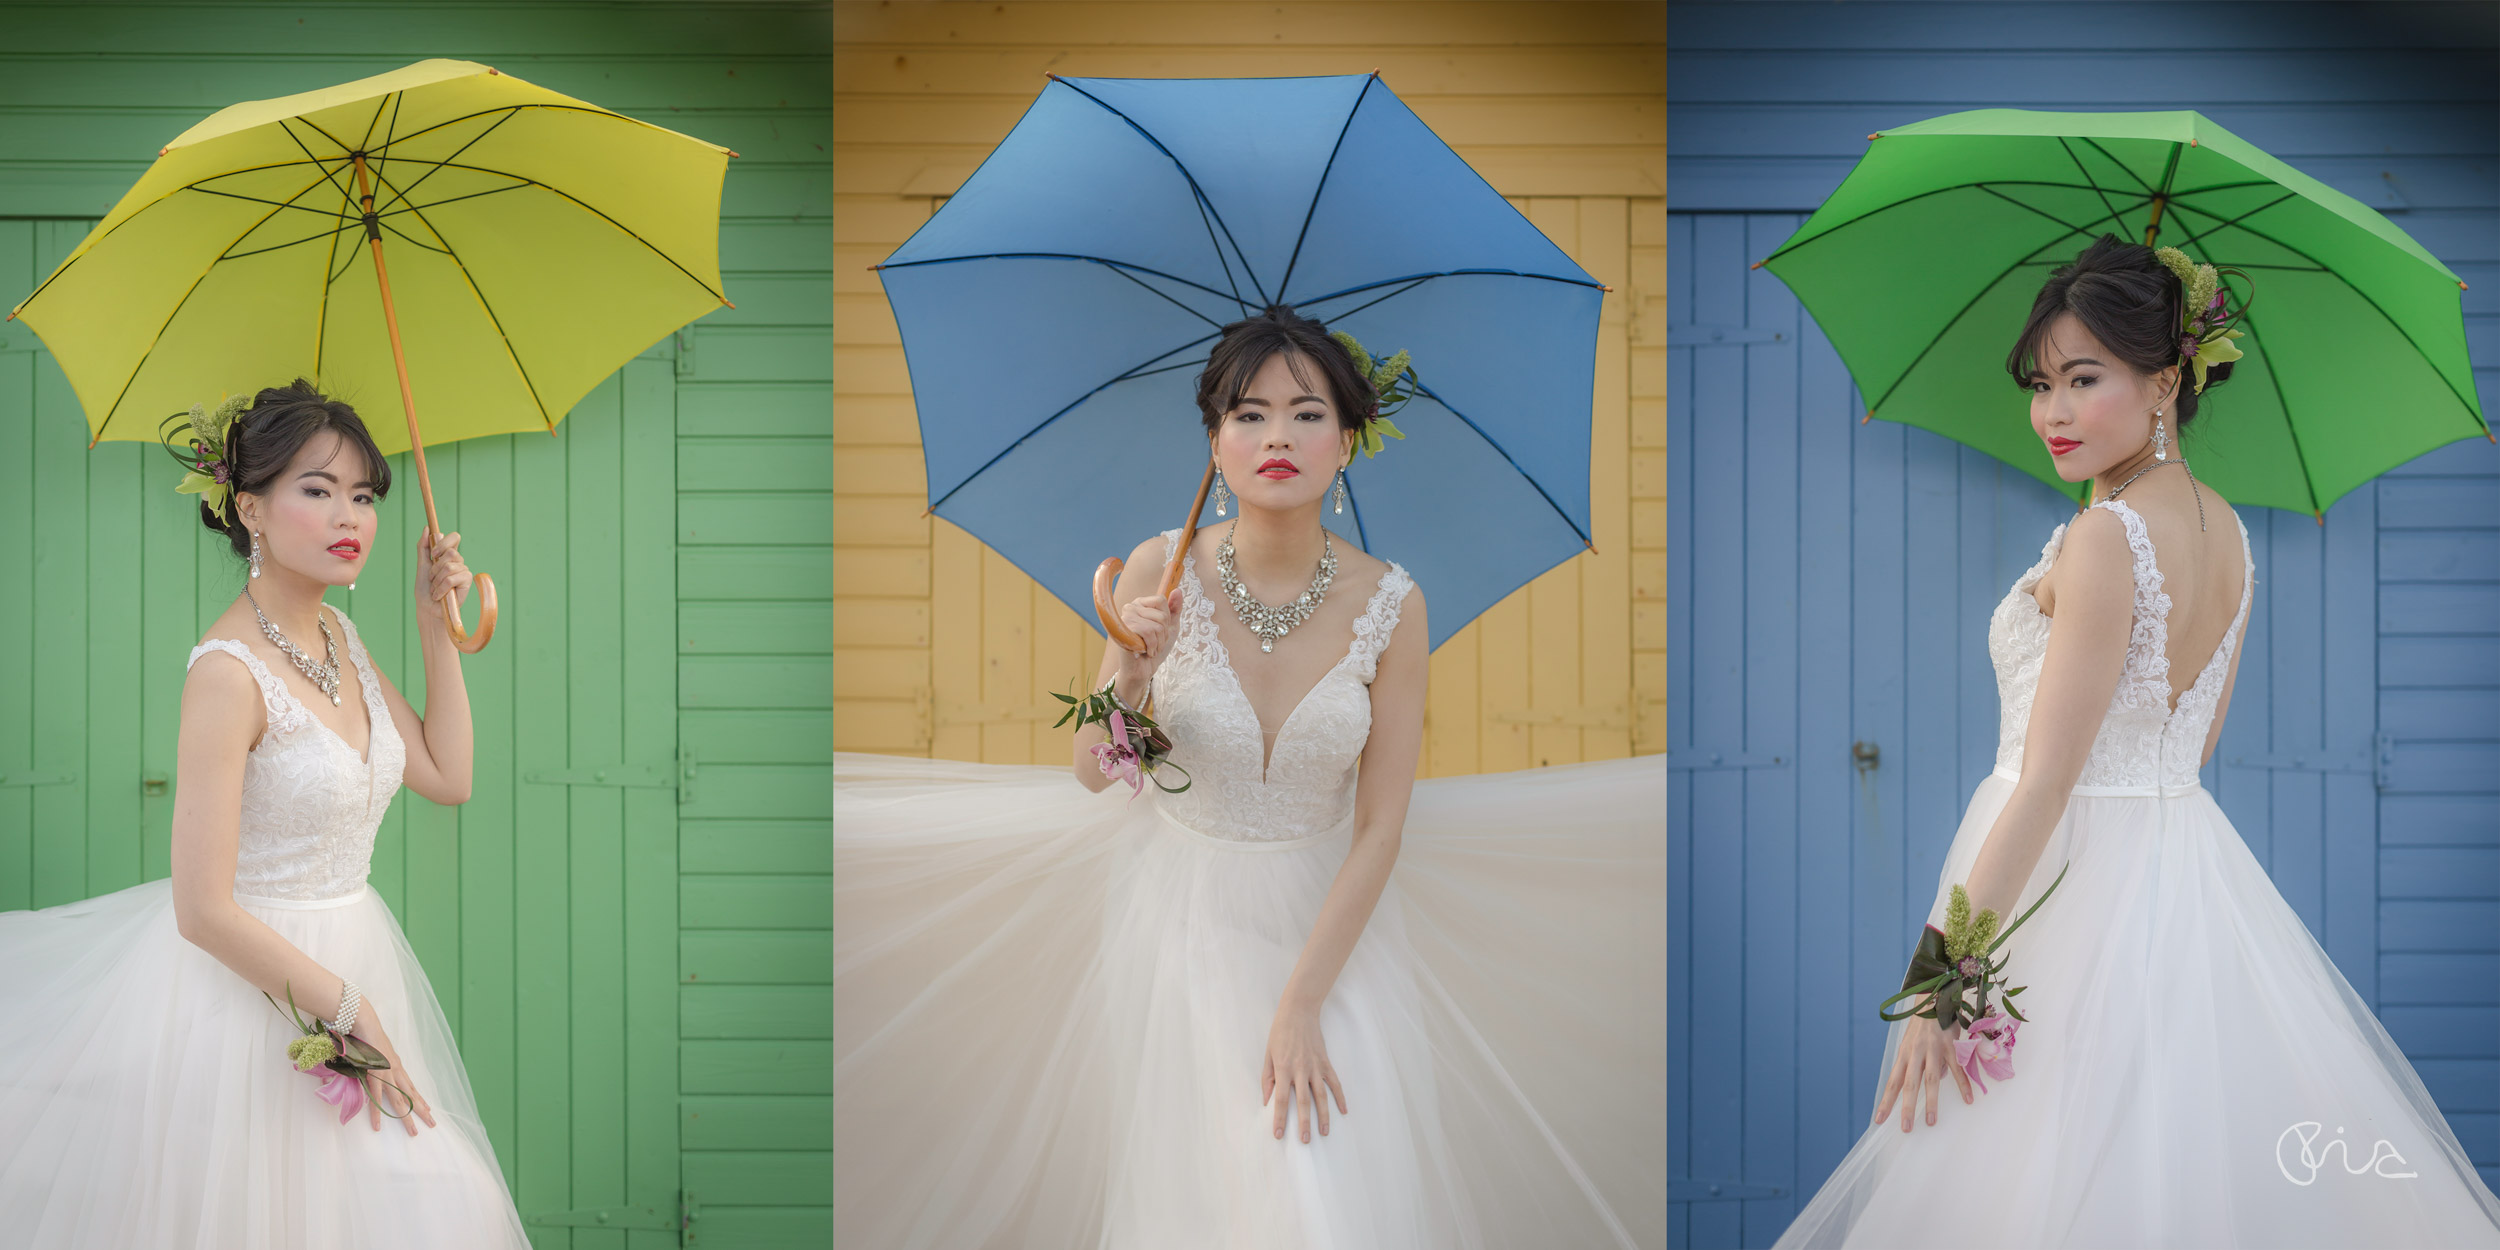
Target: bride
<point>1307,1000</point>
<point>2191,1070</point>
<point>147,1097</point>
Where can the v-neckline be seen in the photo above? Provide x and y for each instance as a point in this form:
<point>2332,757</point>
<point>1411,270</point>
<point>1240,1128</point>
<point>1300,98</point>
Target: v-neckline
<point>2170,710</point>
<point>372,723</point>
<point>1224,660</point>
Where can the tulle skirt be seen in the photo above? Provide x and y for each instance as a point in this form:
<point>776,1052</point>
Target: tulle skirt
<point>1051,1009</point>
<point>2195,1071</point>
<point>146,1099</point>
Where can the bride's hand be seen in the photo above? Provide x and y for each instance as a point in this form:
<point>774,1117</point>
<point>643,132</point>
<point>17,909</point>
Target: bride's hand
<point>1925,1055</point>
<point>439,571</point>
<point>394,1075</point>
<point>1297,1061</point>
<point>1154,621</point>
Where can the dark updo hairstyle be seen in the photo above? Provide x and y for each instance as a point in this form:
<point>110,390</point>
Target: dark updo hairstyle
<point>2134,305</point>
<point>265,438</point>
<point>1246,344</point>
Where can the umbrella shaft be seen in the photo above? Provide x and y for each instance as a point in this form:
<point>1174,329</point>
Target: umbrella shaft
<point>399,357</point>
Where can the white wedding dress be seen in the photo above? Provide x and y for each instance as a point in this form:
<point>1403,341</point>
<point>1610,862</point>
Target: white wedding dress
<point>146,1098</point>
<point>1051,1006</point>
<point>2195,1072</point>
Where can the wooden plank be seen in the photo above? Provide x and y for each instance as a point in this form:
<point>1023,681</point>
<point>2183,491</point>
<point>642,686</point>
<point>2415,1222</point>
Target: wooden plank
<point>114,575</point>
<point>171,628</point>
<point>880,520</point>
<point>771,247</point>
<point>756,957</point>
<point>59,710</point>
<point>749,463</point>
<point>489,927</point>
<point>18,350</point>
<point>760,408</point>
<point>594,655</point>
<point>890,572</point>
<point>760,1178</point>
<point>755,902</point>
<point>754,572</point>
<point>1453,714</point>
<point>1414,72</point>
<point>890,726</point>
<point>652,454</point>
<point>882,673</point>
<point>1605,612</point>
<point>755,681</point>
<point>953,633</point>
<point>876,421</point>
<point>881,471</point>
<point>47,130</point>
<point>765,791</point>
<point>1006,656</point>
<point>750,1122</point>
<point>757,736</point>
<point>755,628</point>
<point>430,832</point>
<point>541,881</point>
<point>1551,121</point>
<point>1294,24</point>
<point>744,1066</point>
<point>749,518</point>
<point>756,1011</point>
<point>885,172</point>
<point>760,353</point>
<point>756,846</point>
<point>769,1228</point>
<point>507,36</point>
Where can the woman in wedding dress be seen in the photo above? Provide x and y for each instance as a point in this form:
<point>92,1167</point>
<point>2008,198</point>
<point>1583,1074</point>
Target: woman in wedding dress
<point>2194,1071</point>
<point>1308,1001</point>
<point>147,1097</point>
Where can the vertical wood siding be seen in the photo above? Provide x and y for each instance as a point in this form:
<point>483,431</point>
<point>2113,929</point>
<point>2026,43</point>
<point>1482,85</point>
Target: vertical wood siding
<point>1830,582</point>
<point>944,649</point>
<point>662,973</point>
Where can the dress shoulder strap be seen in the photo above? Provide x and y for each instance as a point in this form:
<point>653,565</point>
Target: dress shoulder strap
<point>284,712</point>
<point>1379,620</point>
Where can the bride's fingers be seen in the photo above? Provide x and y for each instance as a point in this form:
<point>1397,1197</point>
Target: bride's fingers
<point>1334,1087</point>
<point>1302,1086</point>
<point>1284,1103</point>
<point>1319,1096</point>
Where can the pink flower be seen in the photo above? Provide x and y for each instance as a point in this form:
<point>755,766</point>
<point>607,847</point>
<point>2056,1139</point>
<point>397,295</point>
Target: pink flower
<point>343,1091</point>
<point>1118,759</point>
<point>1988,1045</point>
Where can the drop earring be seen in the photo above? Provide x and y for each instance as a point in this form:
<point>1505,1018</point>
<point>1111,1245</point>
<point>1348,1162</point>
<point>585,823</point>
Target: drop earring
<point>1340,489</point>
<point>1222,496</point>
<point>2161,438</point>
<point>255,553</point>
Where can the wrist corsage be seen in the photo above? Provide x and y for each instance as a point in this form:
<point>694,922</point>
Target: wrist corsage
<point>1955,959</point>
<point>1138,750</point>
<point>344,1062</point>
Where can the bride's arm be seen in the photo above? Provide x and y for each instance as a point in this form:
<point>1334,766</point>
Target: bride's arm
<point>1139,576</point>
<point>2087,652</point>
<point>1382,788</point>
<point>221,714</point>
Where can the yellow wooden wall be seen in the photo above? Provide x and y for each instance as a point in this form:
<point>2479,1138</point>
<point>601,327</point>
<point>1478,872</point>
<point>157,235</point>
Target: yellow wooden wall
<point>942,648</point>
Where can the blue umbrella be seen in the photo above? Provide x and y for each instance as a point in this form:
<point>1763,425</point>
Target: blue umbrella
<point>1056,312</point>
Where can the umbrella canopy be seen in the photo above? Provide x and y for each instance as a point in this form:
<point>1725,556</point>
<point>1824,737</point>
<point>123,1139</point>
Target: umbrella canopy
<point>1056,312</point>
<point>536,242</point>
<point>1922,266</point>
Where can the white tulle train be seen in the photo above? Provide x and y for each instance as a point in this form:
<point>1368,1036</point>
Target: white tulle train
<point>1052,1006</point>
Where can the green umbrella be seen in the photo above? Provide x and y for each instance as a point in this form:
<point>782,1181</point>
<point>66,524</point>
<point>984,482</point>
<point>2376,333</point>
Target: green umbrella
<point>1923,264</point>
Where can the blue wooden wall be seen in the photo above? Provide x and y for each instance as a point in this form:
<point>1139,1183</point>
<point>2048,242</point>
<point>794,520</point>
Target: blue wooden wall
<point>1830,582</point>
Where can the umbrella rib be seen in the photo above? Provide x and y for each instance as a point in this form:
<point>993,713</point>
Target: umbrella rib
<point>2289,426</point>
<point>1206,206</point>
<point>1322,185</point>
<point>1980,294</point>
<point>2236,223</point>
<point>1490,441</point>
<point>1451,273</point>
<point>2097,189</point>
<point>159,336</point>
<point>400,195</point>
<point>2122,165</point>
<point>1200,202</point>
<point>1044,423</point>
<point>1099,260</point>
<point>469,280</point>
<point>1175,303</point>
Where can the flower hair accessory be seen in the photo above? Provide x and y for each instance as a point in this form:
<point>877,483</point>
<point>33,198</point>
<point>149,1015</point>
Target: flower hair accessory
<point>1392,382</point>
<point>212,472</point>
<point>2203,339</point>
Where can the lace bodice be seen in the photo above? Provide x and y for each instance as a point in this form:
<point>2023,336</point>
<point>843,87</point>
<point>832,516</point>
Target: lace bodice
<point>2141,740</point>
<point>1198,700</point>
<point>310,804</point>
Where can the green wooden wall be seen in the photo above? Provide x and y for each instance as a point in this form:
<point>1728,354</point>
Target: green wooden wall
<point>641,985</point>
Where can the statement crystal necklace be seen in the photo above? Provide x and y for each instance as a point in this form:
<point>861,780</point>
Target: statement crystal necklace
<point>325,676</point>
<point>1273,623</point>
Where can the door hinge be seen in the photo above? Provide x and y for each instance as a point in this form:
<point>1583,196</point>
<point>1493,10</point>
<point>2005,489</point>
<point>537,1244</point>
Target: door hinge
<point>680,1222</point>
<point>678,777</point>
<point>2377,764</point>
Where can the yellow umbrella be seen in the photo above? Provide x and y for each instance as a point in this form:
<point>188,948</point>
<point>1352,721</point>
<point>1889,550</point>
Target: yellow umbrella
<point>537,243</point>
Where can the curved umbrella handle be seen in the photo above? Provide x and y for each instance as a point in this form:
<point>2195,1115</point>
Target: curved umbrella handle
<point>485,617</point>
<point>1109,571</point>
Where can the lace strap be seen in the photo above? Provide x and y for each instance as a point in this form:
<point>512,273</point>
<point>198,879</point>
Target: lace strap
<point>284,712</point>
<point>369,684</point>
<point>2150,635</point>
<point>1372,630</point>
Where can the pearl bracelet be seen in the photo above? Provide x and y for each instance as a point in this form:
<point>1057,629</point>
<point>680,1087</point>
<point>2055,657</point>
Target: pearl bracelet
<point>350,998</point>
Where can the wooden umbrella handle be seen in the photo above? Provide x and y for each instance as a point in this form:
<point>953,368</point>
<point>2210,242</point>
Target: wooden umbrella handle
<point>460,637</point>
<point>1108,572</point>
